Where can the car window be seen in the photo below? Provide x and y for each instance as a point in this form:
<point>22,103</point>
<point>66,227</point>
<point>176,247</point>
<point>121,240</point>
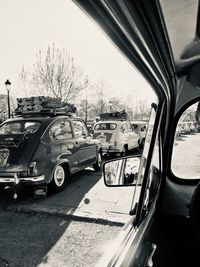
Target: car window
<point>11,128</point>
<point>105,126</point>
<point>63,55</point>
<point>130,128</point>
<point>135,127</point>
<point>31,127</point>
<point>124,128</point>
<point>186,153</point>
<point>60,130</point>
<point>80,129</point>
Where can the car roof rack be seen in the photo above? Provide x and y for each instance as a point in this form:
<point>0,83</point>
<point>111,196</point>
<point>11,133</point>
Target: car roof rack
<point>46,112</point>
<point>43,106</point>
<point>117,115</point>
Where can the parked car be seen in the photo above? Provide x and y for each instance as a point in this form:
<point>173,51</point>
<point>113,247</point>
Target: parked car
<point>45,149</point>
<point>140,128</point>
<point>116,137</point>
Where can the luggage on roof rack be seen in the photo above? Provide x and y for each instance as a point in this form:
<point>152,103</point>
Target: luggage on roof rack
<point>41,105</point>
<point>117,115</point>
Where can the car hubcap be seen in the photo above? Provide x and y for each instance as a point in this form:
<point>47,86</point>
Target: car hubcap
<point>99,159</point>
<point>59,176</point>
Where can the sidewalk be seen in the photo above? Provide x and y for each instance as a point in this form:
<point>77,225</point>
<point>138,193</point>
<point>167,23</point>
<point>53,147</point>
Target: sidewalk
<point>85,198</point>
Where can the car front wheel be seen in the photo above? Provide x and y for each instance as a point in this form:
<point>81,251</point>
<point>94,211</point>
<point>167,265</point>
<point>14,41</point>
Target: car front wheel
<point>59,178</point>
<point>124,151</point>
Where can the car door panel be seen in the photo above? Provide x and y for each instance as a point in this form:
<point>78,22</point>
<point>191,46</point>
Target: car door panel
<point>87,148</point>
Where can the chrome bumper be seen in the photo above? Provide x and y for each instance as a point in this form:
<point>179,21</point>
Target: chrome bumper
<point>22,179</point>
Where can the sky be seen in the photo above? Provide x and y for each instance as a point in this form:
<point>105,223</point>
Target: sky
<point>28,26</point>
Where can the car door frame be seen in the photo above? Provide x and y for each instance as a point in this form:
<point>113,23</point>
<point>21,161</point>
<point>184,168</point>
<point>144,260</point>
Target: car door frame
<point>87,148</point>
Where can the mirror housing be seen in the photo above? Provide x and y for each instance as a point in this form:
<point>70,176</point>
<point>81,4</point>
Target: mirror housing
<point>121,172</point>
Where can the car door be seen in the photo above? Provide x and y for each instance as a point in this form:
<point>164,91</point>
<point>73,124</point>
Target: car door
<point>87,147</point>
<point>63,144</point>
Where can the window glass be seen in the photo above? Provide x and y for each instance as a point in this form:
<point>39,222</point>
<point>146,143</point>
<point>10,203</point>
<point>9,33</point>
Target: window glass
<point>60,130</point>
<point>124,128</point>
<point>186,152</point>
<point>11,128</point>
<point>31,127</point>
<point>80,129</point>
<point>20,127</point>
<point>81,67</point>
<point>130,128</point>
<point>105,126</point>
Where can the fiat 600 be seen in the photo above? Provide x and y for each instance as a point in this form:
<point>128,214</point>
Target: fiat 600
<point>45,150</point>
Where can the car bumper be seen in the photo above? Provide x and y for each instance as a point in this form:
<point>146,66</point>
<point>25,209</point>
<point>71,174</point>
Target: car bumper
<point>16,180</point>
<point>110,149</point>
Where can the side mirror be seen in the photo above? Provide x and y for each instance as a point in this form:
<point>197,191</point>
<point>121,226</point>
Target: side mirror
<point>121,172</point>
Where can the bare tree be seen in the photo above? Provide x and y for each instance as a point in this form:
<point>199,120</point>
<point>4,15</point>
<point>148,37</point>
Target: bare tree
<point>101,102</point>
<point>56,74</point>
<point>24,80</point>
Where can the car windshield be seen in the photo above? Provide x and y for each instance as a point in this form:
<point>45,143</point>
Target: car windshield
<point>105,126</point>
<point>19,127</point>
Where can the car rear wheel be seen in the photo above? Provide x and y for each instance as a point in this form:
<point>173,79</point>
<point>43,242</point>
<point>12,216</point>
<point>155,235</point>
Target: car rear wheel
<point>124,151</point>
<point>59,178</point>
<point>142,143</point>
<point>98,163</point>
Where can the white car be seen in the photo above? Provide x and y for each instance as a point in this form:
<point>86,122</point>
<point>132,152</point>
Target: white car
<point>116,136</point>
<point>140,128</point>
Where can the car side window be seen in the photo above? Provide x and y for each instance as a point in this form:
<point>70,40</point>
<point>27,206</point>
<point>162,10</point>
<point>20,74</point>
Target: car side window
<point>31,127</point>
<point>130,128</point>
<point>124,128</point>
<point>60,130</point>
<point>80,129</point>
<point>185,156</point>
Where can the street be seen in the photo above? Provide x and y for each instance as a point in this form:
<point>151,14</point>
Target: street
<point>70,228</point>
<point>42,240</point>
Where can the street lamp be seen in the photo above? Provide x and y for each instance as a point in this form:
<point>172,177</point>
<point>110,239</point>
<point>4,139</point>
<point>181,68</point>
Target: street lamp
<point>8,86</point>
<point>110,105</point>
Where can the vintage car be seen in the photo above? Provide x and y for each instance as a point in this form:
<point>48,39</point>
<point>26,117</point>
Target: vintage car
<point>45,149</point>
<point>140,128</point>
<point>116,137</point>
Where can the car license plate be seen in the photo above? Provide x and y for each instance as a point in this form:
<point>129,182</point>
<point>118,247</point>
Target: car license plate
<point>40,191</point>
<point>4,153</point>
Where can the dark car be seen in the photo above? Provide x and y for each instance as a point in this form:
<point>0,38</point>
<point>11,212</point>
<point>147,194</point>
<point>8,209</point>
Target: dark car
<point>45,149</point>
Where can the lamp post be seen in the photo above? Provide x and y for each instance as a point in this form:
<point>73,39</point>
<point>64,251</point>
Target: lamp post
<point>8,86</point>
<point>110,105</point>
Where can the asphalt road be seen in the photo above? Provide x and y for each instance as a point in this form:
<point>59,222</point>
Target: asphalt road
<point>43,240</point>
<point>27,240</point>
